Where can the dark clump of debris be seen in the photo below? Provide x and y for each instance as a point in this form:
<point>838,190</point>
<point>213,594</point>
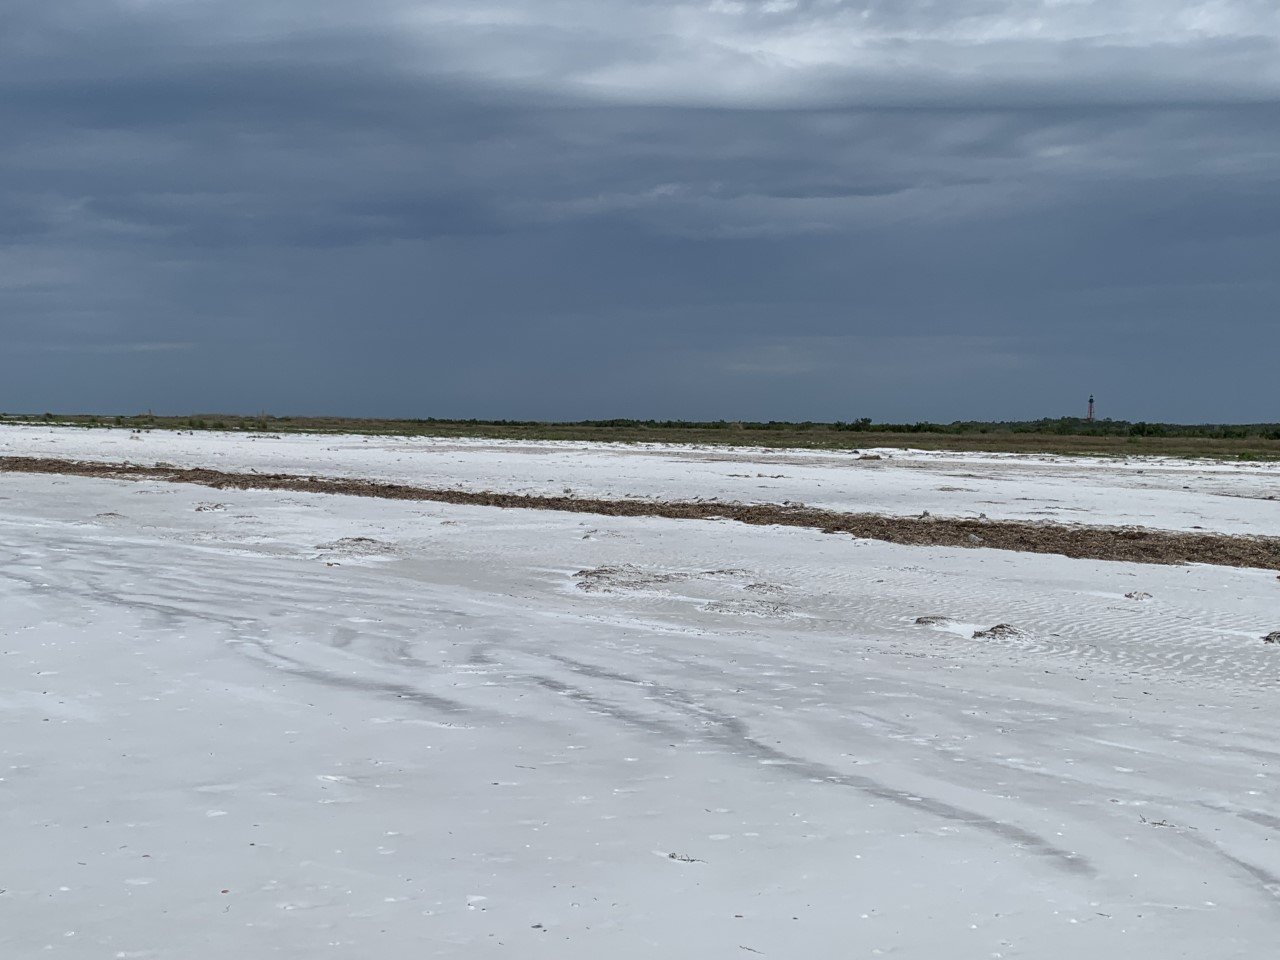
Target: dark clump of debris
<point>1272,637</point>
<point>1000,631</point>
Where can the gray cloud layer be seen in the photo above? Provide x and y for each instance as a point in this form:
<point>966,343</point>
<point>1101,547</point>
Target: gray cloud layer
<point>571,209</point>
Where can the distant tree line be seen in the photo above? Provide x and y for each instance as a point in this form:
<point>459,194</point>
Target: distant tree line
<point>1060,426</point>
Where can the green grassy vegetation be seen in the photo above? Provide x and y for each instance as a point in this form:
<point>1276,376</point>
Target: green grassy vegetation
<point>1260,441</point>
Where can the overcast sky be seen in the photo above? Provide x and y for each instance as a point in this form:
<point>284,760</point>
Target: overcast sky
<point>765,209</point>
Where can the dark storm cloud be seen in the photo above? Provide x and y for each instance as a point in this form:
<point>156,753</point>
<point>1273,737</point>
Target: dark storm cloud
<point>898,209</point>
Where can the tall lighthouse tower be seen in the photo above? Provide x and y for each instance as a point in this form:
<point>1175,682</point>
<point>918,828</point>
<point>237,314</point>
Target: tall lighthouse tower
<point>1091,408</point>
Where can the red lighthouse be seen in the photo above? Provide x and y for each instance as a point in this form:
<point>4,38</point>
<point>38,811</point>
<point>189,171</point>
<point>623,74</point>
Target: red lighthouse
<point>1091,408</point>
